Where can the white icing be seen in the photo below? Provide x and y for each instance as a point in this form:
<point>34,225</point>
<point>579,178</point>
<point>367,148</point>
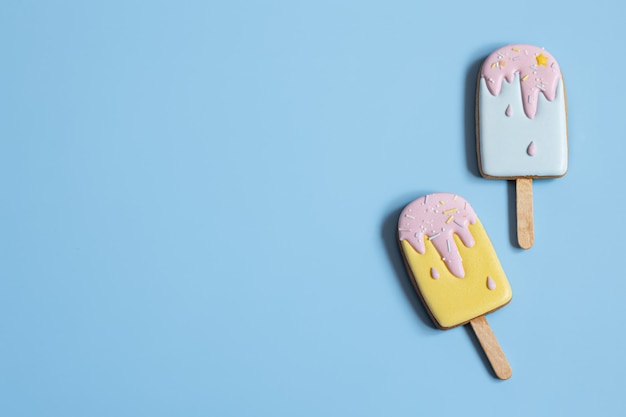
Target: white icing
<point>504,139</point>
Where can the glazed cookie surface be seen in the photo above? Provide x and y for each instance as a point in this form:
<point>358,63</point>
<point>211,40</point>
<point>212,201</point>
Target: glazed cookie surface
<point>521,114</point>
<point>451,260</point>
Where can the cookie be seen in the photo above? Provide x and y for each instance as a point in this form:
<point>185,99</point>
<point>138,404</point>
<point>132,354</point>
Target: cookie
<point>454,267</point>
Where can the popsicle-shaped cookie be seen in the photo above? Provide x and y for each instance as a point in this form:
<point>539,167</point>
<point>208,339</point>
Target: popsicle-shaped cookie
<point>521,124</point>
<point>454,268</point>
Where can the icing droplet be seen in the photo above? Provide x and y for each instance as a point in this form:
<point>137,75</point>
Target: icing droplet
<point>508,111</point>
<point>532,148</point>
<point>491,283</point>
<point>434,273</point>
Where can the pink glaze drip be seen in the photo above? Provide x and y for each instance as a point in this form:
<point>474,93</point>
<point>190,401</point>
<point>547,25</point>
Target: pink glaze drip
<point>532,148</point>
<point>434,273</point>
<point>438,217</point>
<point>491,284</point>
<point>538,72</point>
<point>508,111</point>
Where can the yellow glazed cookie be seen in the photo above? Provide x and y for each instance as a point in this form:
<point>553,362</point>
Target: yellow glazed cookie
<point>454,267</point>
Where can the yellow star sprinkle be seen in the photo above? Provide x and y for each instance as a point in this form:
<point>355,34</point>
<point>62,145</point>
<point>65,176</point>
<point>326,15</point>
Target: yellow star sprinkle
<point>541,59</point>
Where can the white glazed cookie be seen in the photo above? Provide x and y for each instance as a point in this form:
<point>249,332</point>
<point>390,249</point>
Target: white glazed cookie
<point>521,114</point>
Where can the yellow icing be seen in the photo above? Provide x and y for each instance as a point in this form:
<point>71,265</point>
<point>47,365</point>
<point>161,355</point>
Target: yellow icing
<point>454,301</point>
<point>542,59</point>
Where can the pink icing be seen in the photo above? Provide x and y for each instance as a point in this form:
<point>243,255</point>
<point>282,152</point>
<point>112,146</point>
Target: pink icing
<point>508,111</point>
<point>538,72</point>
<point>491,284</point>
<point>434,273</point>
<point>532,148</point>
<point>437,217</point>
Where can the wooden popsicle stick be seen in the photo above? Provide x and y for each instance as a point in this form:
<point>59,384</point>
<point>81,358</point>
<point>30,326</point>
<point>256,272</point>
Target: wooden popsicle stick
<point>492,349</point>
<point>524,202</point>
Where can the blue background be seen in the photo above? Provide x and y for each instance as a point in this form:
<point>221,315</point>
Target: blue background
<point>198,208</point>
